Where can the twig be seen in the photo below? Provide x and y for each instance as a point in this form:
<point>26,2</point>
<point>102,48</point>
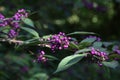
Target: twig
<point>11,41</point>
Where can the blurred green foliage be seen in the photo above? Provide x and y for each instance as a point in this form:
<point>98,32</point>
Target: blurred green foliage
<point>52,16</point>
<point>70,15</point>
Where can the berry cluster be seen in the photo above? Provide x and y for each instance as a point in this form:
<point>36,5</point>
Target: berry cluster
<point>59,41</point>
<point>13,22</point>
<point>40,57</point>
<point>3,21</point>
<point>116,49</point>
<point>20,14</point>
<point>101,55</point>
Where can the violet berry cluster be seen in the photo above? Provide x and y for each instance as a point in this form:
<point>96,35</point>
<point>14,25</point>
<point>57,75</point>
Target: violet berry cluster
<point>13,22</point>
<point>41,57</point>
<point>3,21</point>
<point>100,55</point>
<point>59,41</point>
<point>116,49</point>
<point>20,14</point>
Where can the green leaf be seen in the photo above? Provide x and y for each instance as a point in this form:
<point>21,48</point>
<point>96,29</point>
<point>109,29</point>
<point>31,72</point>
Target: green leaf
<point>28,22</point>
<point>80,32</point>
<point>31,40</point>
<point>112,64</point>
<point>69,61</point>
<point>5,29</point>
<point>84,45</point>
<point>46,36</point>
<point>82,50</point>
<point>107,44</point>
<point>31,31</point>
<point>51,57</point>
<point>73,45</point>
<point>88,40</point>
<point>97,44</point>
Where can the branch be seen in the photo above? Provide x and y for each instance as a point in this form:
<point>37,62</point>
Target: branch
<point>11,41</point>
